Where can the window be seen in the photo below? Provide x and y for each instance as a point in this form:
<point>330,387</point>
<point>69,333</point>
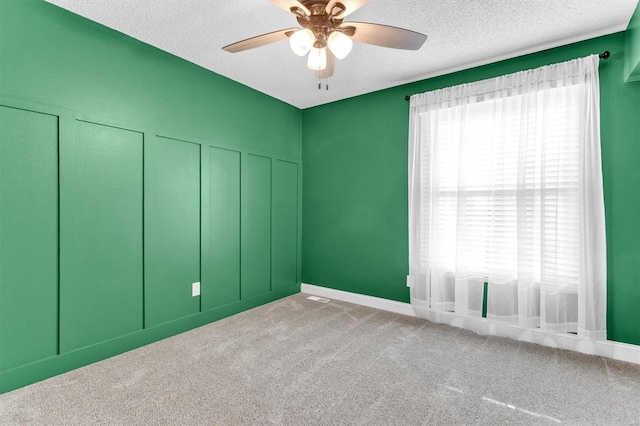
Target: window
<point>506,188</point>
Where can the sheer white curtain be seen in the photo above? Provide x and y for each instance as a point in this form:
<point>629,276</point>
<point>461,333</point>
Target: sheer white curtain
<point>505,188</point>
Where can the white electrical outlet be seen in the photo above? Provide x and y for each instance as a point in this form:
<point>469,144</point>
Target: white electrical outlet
<point>410,281</point>
<point>195,289</point>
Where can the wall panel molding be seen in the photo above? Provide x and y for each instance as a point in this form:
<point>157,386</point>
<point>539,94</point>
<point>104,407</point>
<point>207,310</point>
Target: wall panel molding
<point>71,346</point>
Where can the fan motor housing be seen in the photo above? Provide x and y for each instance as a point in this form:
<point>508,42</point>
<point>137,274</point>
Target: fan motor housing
<point>321,23</point>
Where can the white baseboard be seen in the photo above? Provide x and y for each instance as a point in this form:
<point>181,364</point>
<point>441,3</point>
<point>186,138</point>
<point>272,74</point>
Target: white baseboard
<point>359,299</point>
<point>604,348</point>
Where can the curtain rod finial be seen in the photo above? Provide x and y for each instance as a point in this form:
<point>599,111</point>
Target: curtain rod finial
<point>605,54</point>
<point>407,97</point>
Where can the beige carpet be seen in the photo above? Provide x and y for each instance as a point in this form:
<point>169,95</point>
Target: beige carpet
<point>298,362</point>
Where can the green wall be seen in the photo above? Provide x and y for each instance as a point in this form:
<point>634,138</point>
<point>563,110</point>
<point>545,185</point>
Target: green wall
<point>355,184</point>
<point>57,58</point>
<point>127,175</point>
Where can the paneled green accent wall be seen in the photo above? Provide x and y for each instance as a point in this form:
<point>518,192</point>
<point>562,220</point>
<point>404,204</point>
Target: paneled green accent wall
<point>221,262</point>
<point>285,223</point>
<point>28,237</point>
<point>100,235</point>
<point>171,229</point>
<point>256,226</point>
<point>355,183</point>
<point>162,181</point>
<point>51,56</point>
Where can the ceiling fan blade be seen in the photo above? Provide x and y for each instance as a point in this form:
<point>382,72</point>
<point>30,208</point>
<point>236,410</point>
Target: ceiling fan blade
<point>291,4</point>
<point>386,36</point>
<point>331,65</point>
<point>261,40</point>
<point>350,6</point>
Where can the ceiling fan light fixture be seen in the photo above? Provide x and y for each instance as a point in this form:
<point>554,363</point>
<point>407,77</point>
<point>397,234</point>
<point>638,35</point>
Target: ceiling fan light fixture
<point>301,41</point>
<point>325,36</point>
<point>317,59</point>
<point>339,44</point>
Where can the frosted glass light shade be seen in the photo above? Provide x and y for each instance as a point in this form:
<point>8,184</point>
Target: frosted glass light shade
<point>317,59</point>
<point>301,41</point>
<point>340,44</point>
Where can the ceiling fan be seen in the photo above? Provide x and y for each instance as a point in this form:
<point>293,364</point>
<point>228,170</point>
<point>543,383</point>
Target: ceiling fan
<point>325,36</point>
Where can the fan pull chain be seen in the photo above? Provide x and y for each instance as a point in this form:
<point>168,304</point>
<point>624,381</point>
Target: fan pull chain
<point>326,84</point>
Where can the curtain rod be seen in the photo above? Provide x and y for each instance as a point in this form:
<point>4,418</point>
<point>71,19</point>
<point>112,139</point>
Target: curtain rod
<point>603,55</point>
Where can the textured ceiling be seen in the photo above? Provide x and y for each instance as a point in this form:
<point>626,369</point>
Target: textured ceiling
<point>462,34</point>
